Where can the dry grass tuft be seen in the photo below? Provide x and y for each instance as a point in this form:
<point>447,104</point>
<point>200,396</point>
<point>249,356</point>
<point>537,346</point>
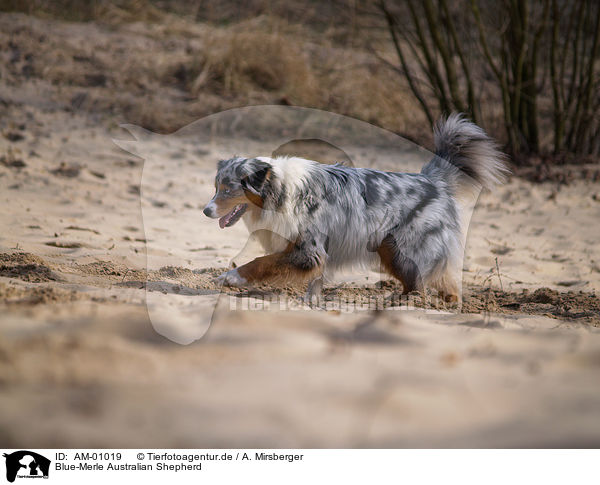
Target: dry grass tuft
<point>242,62</point>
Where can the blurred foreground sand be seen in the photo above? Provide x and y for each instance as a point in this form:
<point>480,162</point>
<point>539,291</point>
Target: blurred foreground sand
<point>81,366</point>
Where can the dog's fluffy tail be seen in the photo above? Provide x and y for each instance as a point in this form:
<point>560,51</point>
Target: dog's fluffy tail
<point>465,155</point>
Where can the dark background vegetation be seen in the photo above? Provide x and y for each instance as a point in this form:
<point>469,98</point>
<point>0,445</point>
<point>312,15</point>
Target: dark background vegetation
<point>527,71</point>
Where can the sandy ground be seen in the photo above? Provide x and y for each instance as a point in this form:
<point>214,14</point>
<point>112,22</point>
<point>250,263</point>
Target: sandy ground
<point>80,358</point>
<point>106,262</point>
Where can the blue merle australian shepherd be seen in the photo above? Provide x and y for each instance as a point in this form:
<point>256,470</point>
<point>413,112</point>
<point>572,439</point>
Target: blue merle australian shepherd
<point>313,218</point>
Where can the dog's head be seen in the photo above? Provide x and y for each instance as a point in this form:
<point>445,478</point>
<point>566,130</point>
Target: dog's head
<point>240,184</point>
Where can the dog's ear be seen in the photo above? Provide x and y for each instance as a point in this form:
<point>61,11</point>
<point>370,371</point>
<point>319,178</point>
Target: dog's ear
<point>255,181</point>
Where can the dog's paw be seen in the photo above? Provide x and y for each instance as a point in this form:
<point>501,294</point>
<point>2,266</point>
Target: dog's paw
<point>231,278</point>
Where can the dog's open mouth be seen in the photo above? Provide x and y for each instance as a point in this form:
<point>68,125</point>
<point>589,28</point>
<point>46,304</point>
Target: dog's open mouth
<point>233,216</point>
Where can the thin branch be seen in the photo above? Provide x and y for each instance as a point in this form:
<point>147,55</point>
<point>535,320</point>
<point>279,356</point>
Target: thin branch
<point>465,65</point>
<point>431,63</point>
<point>433,24</point>
<point>391,21</point>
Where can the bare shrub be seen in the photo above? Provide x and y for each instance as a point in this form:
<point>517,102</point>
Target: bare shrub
<point>534,54</point>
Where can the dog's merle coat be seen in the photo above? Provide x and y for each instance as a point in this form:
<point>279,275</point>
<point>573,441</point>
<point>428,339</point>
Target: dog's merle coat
<point>329,216</point>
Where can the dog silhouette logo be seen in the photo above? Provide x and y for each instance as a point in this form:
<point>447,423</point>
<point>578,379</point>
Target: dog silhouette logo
<point>26,464</point>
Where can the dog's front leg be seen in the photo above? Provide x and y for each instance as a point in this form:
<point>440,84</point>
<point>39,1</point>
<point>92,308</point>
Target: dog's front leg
<point>301,262</point>
<point>256,271</point>
<point>231,278</point>
<point>282,268</point>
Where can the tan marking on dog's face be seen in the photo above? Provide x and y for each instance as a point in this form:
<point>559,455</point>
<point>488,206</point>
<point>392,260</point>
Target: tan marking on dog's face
<point>226,201</point>
<point>228,196</point>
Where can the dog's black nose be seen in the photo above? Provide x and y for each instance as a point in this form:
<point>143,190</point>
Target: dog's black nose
<point>207,212</point>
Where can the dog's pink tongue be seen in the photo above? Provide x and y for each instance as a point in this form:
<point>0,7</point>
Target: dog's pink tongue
<point>224,220</point>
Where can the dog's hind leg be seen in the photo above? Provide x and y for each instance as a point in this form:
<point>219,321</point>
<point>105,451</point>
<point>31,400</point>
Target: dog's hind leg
<point>400,266</point>
<point>448,286</point>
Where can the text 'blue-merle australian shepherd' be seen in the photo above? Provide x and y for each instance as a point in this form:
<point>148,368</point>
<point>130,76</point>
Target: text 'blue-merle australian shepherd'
<point>313,218</point>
